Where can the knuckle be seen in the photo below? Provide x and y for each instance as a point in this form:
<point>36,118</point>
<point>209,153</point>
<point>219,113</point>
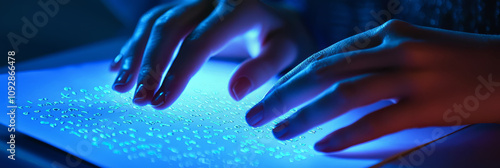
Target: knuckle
<point>323,53</point>
<point>162,21</point>
<point>147,18</point>
<point>395,27</point>
<point>166,19</point>
<point>314,70</point>
<point>315,66</point>
<point>395,24</point>
<point>202,32</point>
<point>283,79</point>
<point>323,70</point>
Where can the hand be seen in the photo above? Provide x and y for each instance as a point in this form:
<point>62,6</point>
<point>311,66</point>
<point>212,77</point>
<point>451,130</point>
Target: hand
<point>437,77</point>
<point>203,30</point>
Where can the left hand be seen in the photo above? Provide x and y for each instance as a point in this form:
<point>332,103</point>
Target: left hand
<point>438,77</point>
<point>203,28</point>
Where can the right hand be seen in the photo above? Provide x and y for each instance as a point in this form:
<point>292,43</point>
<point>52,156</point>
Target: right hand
<point>437,77</point>
<point>203,28</point>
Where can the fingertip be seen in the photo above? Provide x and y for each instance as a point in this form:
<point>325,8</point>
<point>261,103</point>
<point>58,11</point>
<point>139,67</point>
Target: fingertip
<point>327,145</point>
<point>158,101</point>
<point>168,93</point>
<point>281,130</point>
<point>255,115</point>
<point>121,88</point>
<point>140,96</point>
<point>118,88</point>
<point>167,102</point>
<point>160,107</point>
<point>321,145</point>
<point>122,82</point>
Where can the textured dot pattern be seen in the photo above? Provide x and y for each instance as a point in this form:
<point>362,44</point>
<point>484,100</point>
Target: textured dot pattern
<point>210,128</point>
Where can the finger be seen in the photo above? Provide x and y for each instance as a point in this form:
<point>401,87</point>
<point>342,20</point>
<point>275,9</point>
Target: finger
<point>314,79</point>
<point>125,75</point>
<point>206,40</point>
<point>166,34</point>
<point>278,53</point>
<point>141,32</point>
<point>388,120</point>
<point>130,55</point>
<point>368,39</point>
<point>344,96</point>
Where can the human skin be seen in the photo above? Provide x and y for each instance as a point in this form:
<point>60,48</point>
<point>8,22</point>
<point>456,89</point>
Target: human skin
<point>203,28</point>
<point>429,72</point>
<point>437,77</point>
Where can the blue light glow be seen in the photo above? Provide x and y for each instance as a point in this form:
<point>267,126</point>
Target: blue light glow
<point>74,109</point>
<point>252,42</point>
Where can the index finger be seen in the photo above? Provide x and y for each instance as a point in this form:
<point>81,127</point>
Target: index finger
<point>207,39</point>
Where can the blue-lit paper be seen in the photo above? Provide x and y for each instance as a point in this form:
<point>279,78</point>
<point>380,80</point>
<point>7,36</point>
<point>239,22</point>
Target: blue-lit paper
<point>73,108</point>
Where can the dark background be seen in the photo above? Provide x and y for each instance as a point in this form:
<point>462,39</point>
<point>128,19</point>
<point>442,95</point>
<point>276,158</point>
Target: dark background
<point>77,23</point>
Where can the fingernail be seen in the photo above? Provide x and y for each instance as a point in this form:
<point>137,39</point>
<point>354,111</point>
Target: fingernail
<point>255,115</point>
<point>139,93</point>
<point>117,58</point>
<point>321,145</point>
<point>123,78</point>
<point>281,129</point>
<point>241,87</point>
<point>159,99</point>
